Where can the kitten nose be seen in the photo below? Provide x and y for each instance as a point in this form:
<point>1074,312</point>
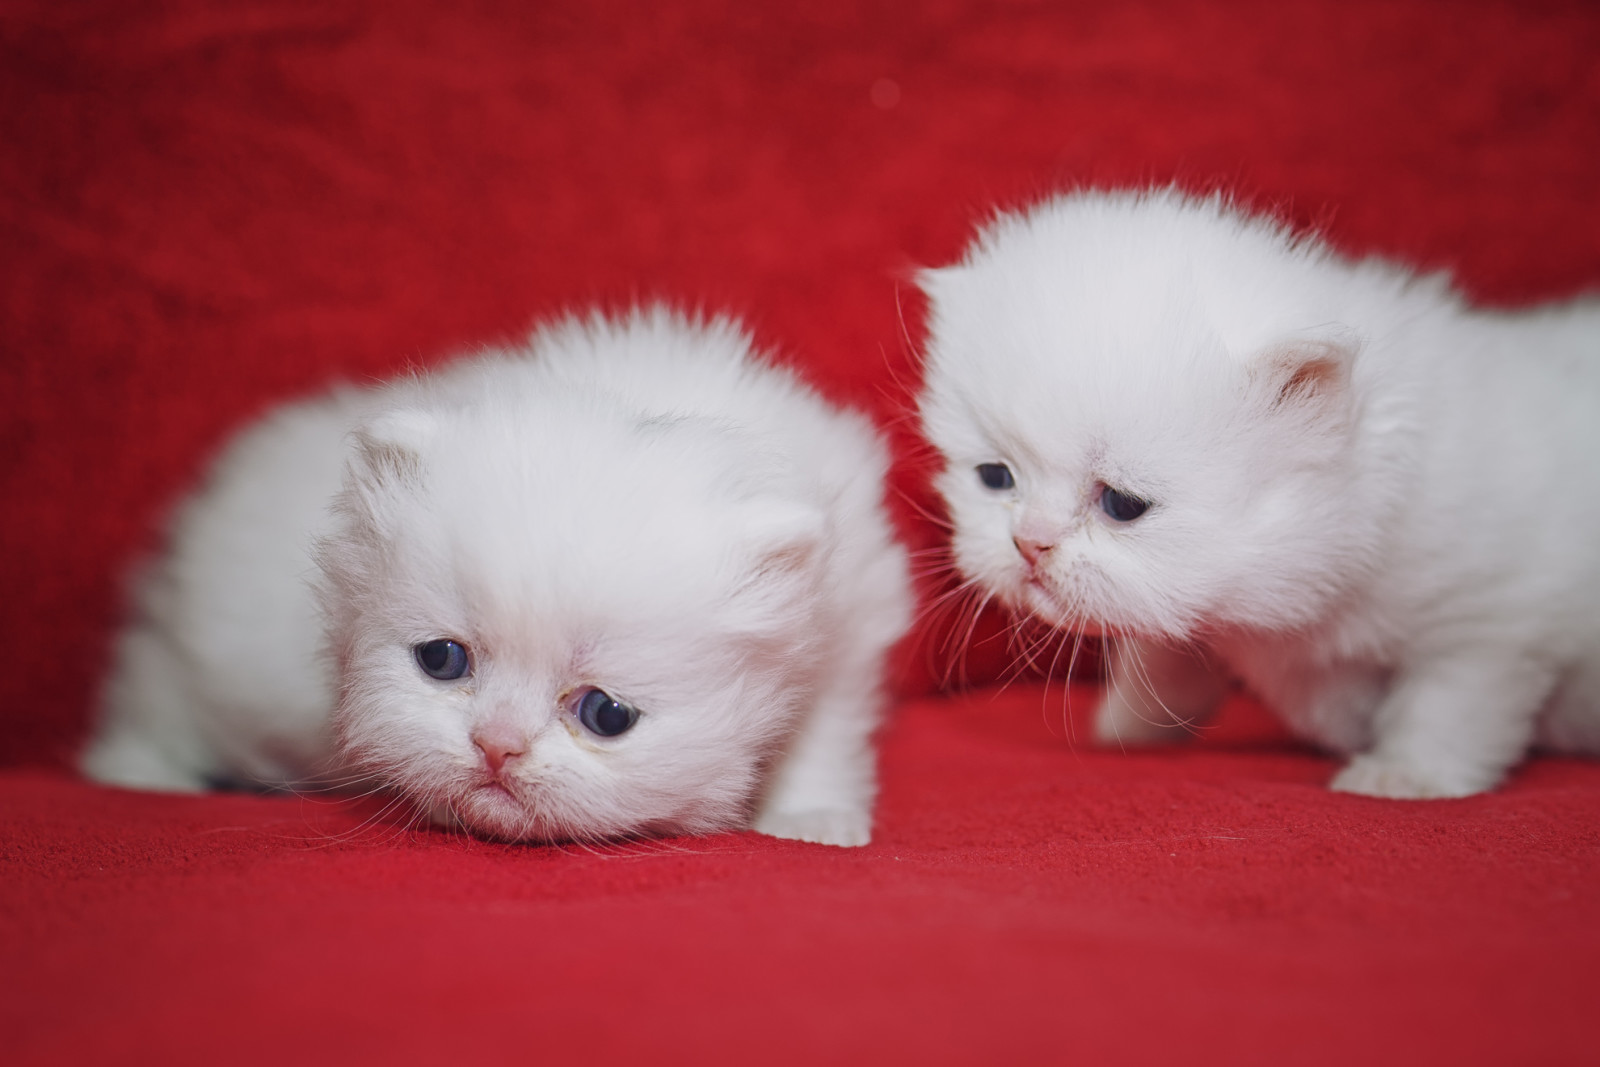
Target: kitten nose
<point>499,744</point>
<point>1030,550</point>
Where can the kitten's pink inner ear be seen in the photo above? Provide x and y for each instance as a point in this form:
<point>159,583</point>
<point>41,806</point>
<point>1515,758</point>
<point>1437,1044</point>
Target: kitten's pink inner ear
<point>788,538</point>
<point>794,556</point>
<point>1306,371</point>
<point>392,443</point>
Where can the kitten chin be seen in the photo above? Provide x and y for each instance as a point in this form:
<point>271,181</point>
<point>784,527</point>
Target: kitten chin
<point>626,578</point>
<point>1252,457</point>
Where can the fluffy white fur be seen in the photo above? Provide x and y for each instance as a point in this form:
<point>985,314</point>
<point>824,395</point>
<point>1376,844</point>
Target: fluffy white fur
<point>1376,506</point>
<point>639,505</point>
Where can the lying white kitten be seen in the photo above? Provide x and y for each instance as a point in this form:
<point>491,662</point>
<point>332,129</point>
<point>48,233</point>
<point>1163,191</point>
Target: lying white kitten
<point>1240,452</point>
<point>628,579</point>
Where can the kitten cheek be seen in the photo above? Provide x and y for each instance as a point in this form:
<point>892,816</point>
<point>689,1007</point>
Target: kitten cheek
<point>972,557</point>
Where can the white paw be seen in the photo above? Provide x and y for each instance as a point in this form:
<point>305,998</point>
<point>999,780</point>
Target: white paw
<point>444,817</point>
<point>1118,724</point>
<point>823,826</point>
<point>1380,776</point>
<point>133,765</point>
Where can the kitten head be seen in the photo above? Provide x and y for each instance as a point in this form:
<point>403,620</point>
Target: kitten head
<point>1149,412</point>
<point>563,614</point>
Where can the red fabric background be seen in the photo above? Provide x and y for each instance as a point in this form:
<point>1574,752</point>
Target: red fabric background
<point>209,207</point>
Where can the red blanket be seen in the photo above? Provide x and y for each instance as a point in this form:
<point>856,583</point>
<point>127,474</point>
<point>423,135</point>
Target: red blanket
<point>206,207</point>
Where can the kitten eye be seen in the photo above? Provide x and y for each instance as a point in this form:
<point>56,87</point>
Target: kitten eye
<point>443,659</point>
<point>996,476</point>
<point>602,715</point>
<point>1121,506</point>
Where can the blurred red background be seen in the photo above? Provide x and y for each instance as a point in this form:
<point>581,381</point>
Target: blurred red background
<point>208,207</point>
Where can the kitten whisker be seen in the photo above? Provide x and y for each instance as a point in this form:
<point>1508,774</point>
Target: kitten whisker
<point>1075,637</point>
<point>1147,688</point>
<point>328,840</point>
<point>938,519</point>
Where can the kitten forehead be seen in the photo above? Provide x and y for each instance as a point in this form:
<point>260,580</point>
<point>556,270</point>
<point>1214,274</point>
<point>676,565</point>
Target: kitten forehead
<point>655,509</point>
<point>1137,277</point>
<point>1045,394</point>
<point>553,497</point>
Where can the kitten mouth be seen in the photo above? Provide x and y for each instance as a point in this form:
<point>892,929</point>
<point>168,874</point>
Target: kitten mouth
<point>1044,604</point>
<point>491,809</point>
<point>493,786</point>
<point>1038,598</point>
<point>484,810</point>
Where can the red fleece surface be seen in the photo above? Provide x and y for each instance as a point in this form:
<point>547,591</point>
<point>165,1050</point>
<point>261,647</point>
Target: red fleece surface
<point>209,207</point>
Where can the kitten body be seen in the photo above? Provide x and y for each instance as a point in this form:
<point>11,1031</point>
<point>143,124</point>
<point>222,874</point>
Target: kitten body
<point>1241,454</point>
<point>638,508</point>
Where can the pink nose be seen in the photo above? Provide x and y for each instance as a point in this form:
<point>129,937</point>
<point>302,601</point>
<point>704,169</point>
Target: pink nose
<point>1030,550</point>
<point>499,744</point>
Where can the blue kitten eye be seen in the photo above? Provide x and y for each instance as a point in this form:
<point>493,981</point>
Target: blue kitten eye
<point>996,476</point>
<point>602,715</point>
<point>443,659</point>
<point>1121,506</point>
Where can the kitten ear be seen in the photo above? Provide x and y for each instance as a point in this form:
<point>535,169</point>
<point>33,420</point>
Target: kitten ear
<point>784,537</point>
<point>1307,373</point>
<point>390,445</point>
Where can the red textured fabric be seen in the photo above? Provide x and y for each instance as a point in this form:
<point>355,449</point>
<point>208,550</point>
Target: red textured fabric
<point>207,207</point>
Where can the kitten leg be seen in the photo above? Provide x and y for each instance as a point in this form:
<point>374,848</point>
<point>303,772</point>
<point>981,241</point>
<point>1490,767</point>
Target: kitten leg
<point>125,759</point>
<point>148,738</point>
<point>1452,727</point>
<point>1157,692</point>
<point>823,786</point>
<point>1570,721</point>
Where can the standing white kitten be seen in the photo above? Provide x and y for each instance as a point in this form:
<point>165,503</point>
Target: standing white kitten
<point>1234,450</point>
<point>627,579</point>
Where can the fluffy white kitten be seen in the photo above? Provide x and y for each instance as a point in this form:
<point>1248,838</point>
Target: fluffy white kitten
<point>1240,453</point>
<point>629,578</point>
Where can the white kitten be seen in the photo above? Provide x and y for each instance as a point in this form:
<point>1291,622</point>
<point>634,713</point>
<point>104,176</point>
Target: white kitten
<point>629,579</point>
<point>1234,449</point>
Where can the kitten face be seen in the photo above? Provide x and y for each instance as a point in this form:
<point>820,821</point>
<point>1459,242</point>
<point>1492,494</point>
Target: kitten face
<point>565,622</point>
<point>1126,446</point>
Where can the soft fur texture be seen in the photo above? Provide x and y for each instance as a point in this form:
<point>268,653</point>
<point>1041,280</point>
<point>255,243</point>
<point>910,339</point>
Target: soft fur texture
<point>637,505</point>
<point>1373,504</point>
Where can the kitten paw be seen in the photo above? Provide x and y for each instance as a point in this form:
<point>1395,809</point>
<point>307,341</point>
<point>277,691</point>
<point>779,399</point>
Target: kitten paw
<point>1118,724</point>
<point>824,827</point>
<point>445,818</point>
<point>134,765</point>
<point>1377,776</point>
